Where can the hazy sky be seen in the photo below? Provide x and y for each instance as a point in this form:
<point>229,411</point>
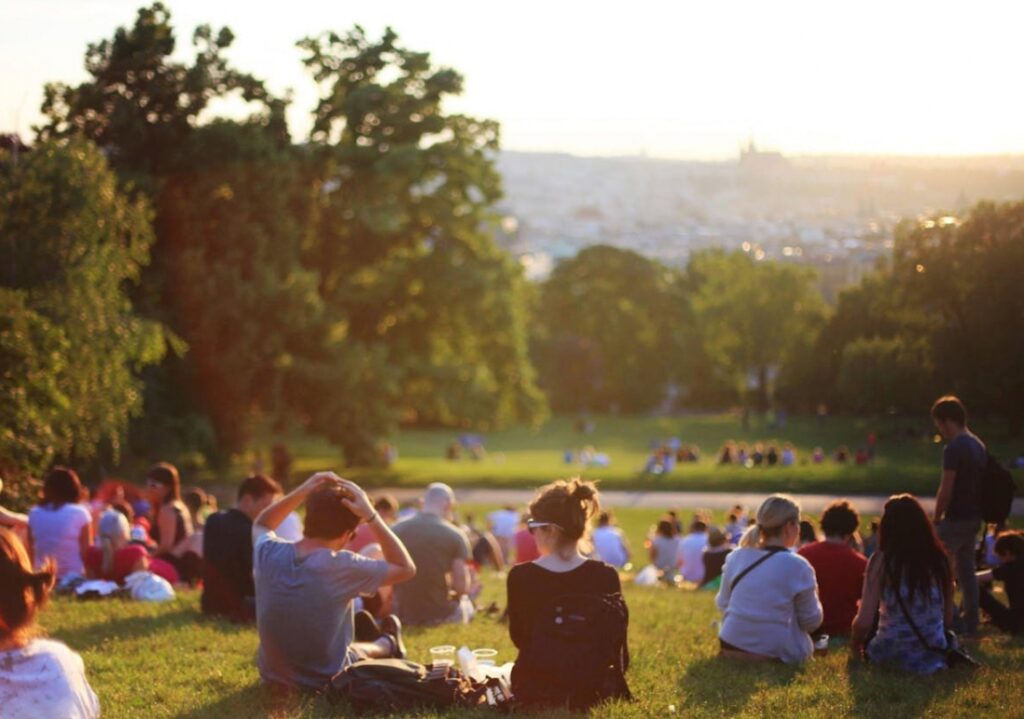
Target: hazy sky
<point>675,78</point>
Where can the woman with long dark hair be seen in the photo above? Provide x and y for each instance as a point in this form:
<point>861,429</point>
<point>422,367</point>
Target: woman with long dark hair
<point>172,523</point>
<point>908,586</point>
<point>59,527</point>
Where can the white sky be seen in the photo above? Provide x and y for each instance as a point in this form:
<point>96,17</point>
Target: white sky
<point>675,78</point>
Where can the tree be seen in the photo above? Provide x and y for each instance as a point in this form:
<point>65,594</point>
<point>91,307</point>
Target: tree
<point>880,375</point>
<point>409,270</point>
<point>754,317</point>
<point>70,340</point>
<point>607,331</point>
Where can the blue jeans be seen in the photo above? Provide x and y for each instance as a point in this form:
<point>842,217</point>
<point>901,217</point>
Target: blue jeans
<point>961,539</point>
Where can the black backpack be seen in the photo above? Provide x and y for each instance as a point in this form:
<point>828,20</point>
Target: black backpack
<point>577,655</point>
<point>997,490</point>
<point>390,685</point>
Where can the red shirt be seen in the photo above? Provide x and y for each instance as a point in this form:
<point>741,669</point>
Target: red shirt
<point>840,573</point>
<point>526,546</point>
<point>125,560</point>
<point>364,535</point>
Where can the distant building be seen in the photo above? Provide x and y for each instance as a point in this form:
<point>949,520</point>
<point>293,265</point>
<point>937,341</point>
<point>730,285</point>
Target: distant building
<point>761,162</point>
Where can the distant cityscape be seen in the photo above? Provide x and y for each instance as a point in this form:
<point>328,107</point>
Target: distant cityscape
<point>837,214</point>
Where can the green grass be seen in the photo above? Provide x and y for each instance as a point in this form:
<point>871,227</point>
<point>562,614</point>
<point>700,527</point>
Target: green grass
<point>520,457</point>
<point>166,661</point>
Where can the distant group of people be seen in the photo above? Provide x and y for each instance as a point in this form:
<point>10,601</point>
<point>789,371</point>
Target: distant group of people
<point>341,590</point>
<point>770,454</point>
<point>665,456</point>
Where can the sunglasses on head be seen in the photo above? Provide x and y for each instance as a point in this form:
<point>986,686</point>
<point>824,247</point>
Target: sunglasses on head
<point>532,524</point>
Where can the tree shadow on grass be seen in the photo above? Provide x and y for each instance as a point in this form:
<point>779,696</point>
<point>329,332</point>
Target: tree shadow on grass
<point>884,691</point>
<point>712,683</point>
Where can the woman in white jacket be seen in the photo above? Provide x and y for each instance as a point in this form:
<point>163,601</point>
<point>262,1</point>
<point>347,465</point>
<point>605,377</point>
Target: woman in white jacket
<point>769,594</point>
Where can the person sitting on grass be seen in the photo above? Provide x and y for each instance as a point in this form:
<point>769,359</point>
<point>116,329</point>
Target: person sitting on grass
<point>769,596</point>
<point>171,523</point>
<point>228,589</point>
<point>559,518</point>
<point>1009,549</point>
<point>839,567</point>
<point>440,593</point>
<point>664,550</point>
<point>60,527</point>
<point>304,590</point>
<point>15,521</point>
<point>691,551</point>
<point>387,507</point>
<point>714,557</point>
<point>610,544</point>
<point>909,586</point>
<point>38,677</point>
<point>116,557</point>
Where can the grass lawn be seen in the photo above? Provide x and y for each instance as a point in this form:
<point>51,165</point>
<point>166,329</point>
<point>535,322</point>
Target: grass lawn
<point>521,457</point>
<point>168,661</point>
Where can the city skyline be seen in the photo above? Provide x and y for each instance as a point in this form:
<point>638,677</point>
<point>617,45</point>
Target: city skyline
<point>688,82</point>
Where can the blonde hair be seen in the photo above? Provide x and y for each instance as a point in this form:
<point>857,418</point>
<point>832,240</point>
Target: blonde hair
<point>774,513</point>
<point>570,505</point>
<point>113,529</point>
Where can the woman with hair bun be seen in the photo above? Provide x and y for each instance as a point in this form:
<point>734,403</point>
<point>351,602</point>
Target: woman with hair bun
<point>769,595</point>
<point>546,595</point>
<point>38,677</point>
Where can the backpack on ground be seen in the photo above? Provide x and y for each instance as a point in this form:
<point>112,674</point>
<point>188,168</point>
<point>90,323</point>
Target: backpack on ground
<point>997,490</point>
<point>390,685</point>
<point>577,656</point>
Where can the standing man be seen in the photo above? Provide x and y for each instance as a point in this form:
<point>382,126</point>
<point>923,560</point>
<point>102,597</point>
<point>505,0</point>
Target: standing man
<point>958,502</point>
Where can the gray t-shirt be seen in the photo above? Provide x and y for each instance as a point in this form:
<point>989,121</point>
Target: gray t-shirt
<point>304,609</point>
<point>433,544</point>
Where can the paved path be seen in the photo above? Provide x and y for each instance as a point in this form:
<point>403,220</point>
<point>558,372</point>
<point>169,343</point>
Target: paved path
<point>811,503</point>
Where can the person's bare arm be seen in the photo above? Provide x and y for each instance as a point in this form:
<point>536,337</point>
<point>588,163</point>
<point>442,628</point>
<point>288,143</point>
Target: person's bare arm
<point>271,517</point>
<point>985,576</point>
<point>871,597</point>
<point>945,494</point>
<point>167,521</point>
<point>31,547</point>
<point>12,519</point>
<point>401,568</point>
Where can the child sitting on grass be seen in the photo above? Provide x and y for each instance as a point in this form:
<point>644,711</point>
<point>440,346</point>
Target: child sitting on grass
<point>1009,548</point>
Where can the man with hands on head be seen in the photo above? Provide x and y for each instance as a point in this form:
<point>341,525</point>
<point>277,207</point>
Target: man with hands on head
<point>304,590</point>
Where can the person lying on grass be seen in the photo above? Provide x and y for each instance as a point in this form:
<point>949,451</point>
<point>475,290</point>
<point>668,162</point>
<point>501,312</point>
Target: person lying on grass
<point>304,590</point>
<point>1009,549</point>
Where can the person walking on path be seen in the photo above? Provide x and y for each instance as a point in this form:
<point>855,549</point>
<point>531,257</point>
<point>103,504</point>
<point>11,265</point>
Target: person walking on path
<point>958,502</point>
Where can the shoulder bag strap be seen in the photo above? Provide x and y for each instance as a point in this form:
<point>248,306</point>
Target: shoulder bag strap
<point>772,551</point>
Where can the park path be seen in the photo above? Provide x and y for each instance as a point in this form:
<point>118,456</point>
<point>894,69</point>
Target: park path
<point>811,503</point>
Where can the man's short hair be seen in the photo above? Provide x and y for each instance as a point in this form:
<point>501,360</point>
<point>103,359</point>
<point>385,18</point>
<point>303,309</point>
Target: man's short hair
<point>839,519</point>
<point>1011,543</point>
<point>386,503</point>
<point>327,517</point>
<point>258,486</point>
<point>950,408</point>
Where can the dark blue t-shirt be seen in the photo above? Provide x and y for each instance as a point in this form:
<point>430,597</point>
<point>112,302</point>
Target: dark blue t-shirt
<point>965,455</point>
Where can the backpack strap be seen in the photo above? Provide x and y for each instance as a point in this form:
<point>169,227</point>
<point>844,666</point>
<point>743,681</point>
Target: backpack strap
<point>771,552</point>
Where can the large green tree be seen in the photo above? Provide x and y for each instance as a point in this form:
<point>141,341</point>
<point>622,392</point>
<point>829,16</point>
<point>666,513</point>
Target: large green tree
<point>608,325</point>
<point>754,317</point>
<point>404,242</point>
<point>70,341</point>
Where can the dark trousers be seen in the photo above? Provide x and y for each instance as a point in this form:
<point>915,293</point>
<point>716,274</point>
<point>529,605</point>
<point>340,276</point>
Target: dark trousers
<point>1002,616</point>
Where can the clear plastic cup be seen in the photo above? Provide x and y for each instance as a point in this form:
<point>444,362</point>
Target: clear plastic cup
<point>442,655</point>
<point>485,654</point>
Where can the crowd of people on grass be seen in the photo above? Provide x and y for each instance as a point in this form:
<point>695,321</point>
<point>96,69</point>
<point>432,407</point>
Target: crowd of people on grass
<point>337,589</point>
